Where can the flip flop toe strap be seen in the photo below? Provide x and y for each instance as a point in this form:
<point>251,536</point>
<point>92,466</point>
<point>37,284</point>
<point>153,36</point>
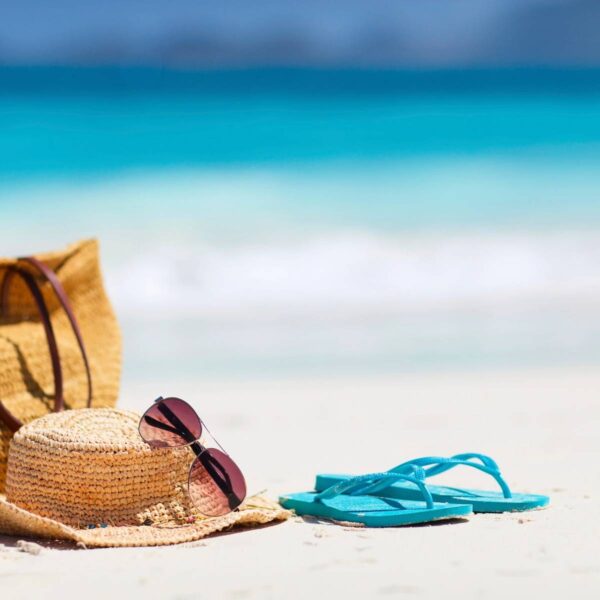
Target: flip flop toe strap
<point>372,483</point>
<point>434,465</point>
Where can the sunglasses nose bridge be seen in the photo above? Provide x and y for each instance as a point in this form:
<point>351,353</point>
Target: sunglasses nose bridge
<point>198,448</point>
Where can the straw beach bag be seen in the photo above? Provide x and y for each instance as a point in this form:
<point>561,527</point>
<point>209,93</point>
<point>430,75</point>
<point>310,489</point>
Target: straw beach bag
<point>60,344</point>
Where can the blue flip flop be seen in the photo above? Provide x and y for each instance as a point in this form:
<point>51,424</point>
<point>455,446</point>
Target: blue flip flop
<point>481,501</point>
<point>357,500</point>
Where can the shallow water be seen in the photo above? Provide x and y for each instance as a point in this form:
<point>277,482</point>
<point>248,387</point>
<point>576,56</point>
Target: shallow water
<point>265,221</point>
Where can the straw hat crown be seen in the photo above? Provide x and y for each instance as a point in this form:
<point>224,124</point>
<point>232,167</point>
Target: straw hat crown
<point>90,467</point>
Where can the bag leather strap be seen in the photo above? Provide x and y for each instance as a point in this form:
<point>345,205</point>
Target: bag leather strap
<point>63,298</point>
<point>10,420</point>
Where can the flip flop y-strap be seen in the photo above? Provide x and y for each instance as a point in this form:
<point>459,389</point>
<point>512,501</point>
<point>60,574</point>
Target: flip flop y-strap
<point>377,482</point>
<point>438,464</point>
<point>374,484</point>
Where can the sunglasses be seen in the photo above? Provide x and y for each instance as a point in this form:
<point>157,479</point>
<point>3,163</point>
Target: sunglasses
<point>216,485</point>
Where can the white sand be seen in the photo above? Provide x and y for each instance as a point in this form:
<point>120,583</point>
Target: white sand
<point>542,426</point>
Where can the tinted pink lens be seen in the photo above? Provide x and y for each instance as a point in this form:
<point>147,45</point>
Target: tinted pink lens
<point>170,423</point>
<point>216,484</point>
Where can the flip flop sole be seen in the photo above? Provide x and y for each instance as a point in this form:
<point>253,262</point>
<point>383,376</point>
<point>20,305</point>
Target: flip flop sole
<point>372,511</point>
<point>481,501</point>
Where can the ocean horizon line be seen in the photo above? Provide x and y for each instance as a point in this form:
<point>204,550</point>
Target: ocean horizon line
<point>298,79</point>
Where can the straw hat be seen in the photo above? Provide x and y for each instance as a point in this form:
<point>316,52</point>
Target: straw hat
<point>86,476</point>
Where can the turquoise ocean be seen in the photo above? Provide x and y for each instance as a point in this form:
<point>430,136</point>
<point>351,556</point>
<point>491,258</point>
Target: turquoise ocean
<point>293,221</point>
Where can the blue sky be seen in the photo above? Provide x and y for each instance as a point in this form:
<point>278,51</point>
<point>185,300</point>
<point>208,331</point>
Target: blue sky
<point>423,33</point>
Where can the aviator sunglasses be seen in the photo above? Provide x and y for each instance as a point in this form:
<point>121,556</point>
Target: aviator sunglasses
<point>216,485</point>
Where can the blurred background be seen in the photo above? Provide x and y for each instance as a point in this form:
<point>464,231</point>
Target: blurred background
<point>315,188</point>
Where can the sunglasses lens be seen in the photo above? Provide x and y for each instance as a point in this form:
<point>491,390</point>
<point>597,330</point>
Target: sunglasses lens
<point>216,484</point>
<point>170,423</point>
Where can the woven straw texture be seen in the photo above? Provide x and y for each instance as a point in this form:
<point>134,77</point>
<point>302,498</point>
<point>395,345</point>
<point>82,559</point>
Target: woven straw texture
<point>26,378</point>
<point>84,467</point>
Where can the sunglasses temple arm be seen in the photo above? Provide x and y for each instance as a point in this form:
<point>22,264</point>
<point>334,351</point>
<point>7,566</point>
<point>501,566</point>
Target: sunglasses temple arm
<point>212,436</point>
<point>160,425</point>
<point>176,422</point>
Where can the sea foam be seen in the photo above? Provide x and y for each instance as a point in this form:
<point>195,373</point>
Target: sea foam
<point>347,273</point>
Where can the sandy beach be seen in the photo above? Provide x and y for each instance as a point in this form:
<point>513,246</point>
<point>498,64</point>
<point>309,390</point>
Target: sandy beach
<point>540,424</point>
<point>349,234</point>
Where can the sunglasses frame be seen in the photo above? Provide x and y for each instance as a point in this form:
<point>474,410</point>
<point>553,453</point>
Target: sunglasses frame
<point>180,429</point>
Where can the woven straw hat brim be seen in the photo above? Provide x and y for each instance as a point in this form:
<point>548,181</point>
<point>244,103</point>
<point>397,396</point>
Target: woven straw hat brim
<point>16,521</point>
